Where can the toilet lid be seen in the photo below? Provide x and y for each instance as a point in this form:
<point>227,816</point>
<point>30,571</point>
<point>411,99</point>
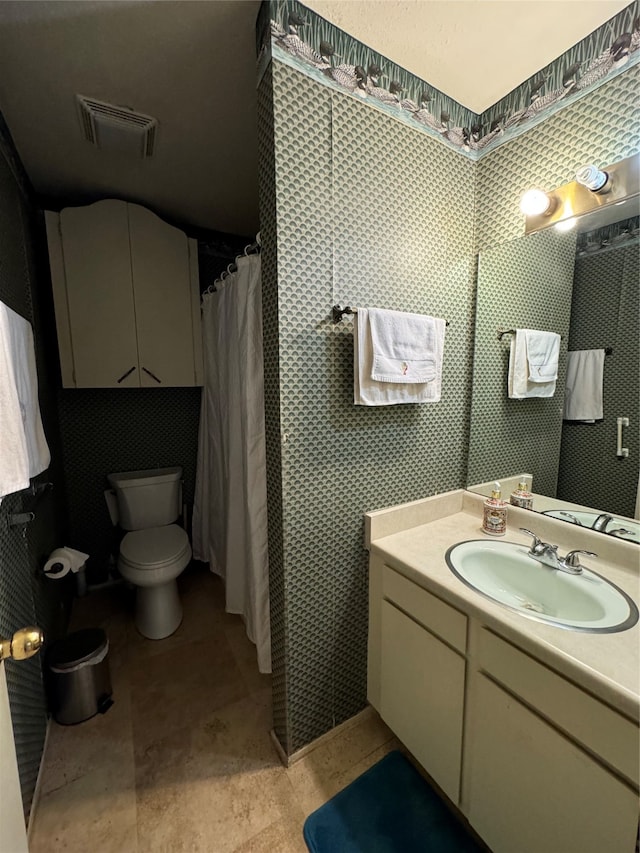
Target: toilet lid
<point>154,546</point>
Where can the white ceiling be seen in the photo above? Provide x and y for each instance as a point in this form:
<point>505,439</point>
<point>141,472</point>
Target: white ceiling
<point>192,66</point>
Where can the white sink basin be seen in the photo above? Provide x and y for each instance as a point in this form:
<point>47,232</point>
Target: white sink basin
<point>622,528</point>
<point>504,572</point>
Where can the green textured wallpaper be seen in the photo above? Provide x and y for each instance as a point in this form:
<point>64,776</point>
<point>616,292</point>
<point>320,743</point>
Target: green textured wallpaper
<point>27,597</point>
<point>358,226</point>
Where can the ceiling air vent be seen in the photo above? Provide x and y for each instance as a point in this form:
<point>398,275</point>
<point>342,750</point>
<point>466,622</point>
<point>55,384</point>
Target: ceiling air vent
<point>120,129</point>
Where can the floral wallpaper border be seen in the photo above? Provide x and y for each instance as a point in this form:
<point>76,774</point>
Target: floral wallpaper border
<point>297,36</point>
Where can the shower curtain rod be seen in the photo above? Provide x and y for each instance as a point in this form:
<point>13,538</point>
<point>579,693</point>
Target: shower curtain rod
<point>250,249</point>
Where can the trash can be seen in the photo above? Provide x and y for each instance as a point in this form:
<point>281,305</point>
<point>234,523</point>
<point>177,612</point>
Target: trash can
<point>79,679</point>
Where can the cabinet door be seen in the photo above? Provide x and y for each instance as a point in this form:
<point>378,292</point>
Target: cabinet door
<point>533,790</point>
<point>422,696</point>
<point>97,265</point>
<point>163,300</point>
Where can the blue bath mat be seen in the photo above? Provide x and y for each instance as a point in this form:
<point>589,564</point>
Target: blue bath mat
<point>389,809</point>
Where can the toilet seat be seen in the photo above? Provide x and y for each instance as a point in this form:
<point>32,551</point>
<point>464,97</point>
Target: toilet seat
<point>155,547</point>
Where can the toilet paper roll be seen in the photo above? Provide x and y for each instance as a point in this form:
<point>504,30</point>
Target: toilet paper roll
<point>64,560</point>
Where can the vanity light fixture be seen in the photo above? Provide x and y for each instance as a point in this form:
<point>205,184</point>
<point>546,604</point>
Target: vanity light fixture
<point>566,224</point>
<point>535,202</point>
<point>591,198</point>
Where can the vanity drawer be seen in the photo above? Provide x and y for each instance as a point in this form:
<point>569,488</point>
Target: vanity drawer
<point>441,619</point>
<point>586,719</point>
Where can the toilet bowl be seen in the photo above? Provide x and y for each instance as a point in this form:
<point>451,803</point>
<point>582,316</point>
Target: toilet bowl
<point>155,550</point>
<point>151,560</point>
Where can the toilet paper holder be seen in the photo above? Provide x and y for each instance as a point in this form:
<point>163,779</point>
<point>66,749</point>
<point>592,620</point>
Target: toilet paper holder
<point>64,560</point>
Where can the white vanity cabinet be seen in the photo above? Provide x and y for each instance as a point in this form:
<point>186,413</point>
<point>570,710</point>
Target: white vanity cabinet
<point>126,295</point>
<point>547,766</point>
<point>533,761</point>
<point>420,691</point>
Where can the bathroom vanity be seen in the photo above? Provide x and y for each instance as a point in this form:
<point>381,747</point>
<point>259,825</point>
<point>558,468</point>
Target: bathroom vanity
<point>530,729</point>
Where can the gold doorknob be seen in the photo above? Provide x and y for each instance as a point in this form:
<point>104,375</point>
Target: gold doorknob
<point>24,644</point>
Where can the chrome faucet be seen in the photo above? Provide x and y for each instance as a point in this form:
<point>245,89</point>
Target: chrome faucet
<point>547,554</point>
<point>601,522</point>
<point>570,516</point>
<point>541,551</point>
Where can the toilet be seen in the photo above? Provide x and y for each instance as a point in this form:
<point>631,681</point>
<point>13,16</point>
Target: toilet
<point>156,550</point>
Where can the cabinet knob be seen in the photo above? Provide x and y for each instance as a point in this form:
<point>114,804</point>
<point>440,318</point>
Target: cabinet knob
<point>152,375</point>
<point>128,373</point>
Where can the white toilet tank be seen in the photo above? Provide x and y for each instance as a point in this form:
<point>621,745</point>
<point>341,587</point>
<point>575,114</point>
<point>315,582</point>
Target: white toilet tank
<point>147,498</point>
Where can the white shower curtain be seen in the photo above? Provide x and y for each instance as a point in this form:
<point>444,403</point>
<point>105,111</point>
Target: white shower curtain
<point>230,509</point>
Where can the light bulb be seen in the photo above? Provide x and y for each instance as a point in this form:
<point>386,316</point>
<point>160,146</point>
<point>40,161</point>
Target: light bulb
<point>592,178</point>
<point>534,203</point>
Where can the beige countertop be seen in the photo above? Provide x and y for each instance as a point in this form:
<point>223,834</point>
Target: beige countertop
<point>414,538</point>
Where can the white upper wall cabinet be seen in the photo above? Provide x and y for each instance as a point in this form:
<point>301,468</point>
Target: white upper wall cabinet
<point>125,287</point>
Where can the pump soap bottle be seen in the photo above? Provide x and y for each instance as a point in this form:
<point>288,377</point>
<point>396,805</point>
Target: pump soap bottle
<point>521,496</point>
<point>494,520</point>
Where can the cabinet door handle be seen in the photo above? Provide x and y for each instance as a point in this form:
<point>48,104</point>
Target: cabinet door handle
<point>152,375</point>
<point>128,373</point>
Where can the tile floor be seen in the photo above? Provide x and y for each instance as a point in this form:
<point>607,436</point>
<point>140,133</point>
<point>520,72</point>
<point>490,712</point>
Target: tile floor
<point>183,761</point>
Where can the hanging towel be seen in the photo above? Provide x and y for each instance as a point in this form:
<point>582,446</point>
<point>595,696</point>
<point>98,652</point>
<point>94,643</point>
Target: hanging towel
<point>368,391</point>
<point>520,385</point>
<point>404,346</point>
<point>543,349</point>
<point>583,393</point>
<point>14,464</point>
<point>23,447</point>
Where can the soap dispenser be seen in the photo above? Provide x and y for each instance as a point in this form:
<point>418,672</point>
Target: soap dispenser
<point>494,520</point>
<point>521,496</point>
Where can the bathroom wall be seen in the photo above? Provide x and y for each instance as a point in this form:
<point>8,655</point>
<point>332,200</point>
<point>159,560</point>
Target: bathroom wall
<point>26,596</point>
<point>108,430</point>
<point>367,211</point>
<point>273,427</point>
<point>360,208</point>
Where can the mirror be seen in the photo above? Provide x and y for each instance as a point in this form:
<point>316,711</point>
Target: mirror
<point>583,285</point>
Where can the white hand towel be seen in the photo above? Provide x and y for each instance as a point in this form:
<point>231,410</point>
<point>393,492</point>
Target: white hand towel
<point>22,425</point>
<point>370,392</point>
<point>543,349</point>
<point>583,393</point>
<point>14,462</point>
<point>404,346</point>
<point>519,385</point>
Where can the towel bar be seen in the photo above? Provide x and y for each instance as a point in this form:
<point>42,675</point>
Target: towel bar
<point>337,313</point>
<point>502,332</point>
